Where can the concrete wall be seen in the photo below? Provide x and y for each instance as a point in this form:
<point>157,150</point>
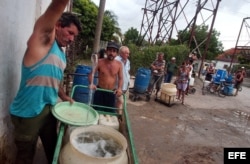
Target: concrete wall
<point>223,65</point>
<point>17,18</point>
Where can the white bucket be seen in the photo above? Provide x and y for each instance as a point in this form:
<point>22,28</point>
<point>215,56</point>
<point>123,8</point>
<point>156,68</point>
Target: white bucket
<point>191,82</point>
<point>168,88</point>
<point>234,91</point>
<point>86,141</point>
<point>206,83</point>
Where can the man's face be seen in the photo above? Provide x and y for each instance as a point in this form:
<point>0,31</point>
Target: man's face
<point>66,35</point>
<point>125,53</point>
<point>111,53</point>
<point>160,57</point>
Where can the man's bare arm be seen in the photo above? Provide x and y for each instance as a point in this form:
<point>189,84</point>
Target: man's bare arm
<point>43,34</point>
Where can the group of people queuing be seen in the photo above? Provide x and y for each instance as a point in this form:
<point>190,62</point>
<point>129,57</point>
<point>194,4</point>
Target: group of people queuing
<point>239,76</point>
<point>42,71</point>
<point>164,72</point>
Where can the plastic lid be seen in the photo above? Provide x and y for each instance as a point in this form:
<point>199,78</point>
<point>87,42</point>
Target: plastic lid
<point>77,114</point>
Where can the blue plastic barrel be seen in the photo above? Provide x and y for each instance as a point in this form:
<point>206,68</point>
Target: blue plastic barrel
<point>228,90</point>
<point>229,78</point>
<point>220,75</point>
<point>142,79</point>
<point>81,94</point>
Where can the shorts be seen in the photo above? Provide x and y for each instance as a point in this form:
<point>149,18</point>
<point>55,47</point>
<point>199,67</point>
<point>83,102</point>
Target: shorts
<point>237,85</point>
<point>106,99</point>
<point>182,86</point>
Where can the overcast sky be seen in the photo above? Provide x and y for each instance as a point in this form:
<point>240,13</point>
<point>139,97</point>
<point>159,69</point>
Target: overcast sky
<point>228,20</point>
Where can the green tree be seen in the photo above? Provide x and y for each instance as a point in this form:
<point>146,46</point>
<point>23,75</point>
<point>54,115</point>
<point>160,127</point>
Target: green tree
<point>111,30</point>
<point>88,16</point>
<point>201,32</point>
<point>131,36</point>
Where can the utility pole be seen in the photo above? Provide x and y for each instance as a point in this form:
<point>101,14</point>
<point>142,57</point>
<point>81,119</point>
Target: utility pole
<point>98,28</point>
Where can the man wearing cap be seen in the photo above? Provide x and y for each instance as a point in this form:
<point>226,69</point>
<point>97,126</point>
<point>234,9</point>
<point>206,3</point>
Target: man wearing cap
<point>110,75</point>
<point>170,69</point>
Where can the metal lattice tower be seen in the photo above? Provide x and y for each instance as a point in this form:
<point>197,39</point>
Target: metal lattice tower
<point>164,18</point>
<point>242,42</point>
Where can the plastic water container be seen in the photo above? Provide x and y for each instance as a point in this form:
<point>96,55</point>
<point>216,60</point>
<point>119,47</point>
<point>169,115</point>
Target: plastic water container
<point>228,90</point>
<point>95,144</point>
<point>81,94</point>
<point>206,83</point>
<point>191,82</point>
<point>169,99</point>
<point>229,79</point>
<point>142,80</point>
<point>220,75</point>
<point>108,120</point>
<point>169,89</point>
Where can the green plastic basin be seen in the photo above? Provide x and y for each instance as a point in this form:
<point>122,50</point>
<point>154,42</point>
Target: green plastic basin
<point>77,114</point>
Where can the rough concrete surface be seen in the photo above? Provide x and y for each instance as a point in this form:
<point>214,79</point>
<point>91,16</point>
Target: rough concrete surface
<point>195,132</point>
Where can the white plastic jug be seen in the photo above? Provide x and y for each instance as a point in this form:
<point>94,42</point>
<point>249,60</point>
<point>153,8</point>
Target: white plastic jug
<point>108,120</point>
<point>191,82</point>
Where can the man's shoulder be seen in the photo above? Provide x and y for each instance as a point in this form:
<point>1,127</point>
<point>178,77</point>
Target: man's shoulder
<point>118,58</point>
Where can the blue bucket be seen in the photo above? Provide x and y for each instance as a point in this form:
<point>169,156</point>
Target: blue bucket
<point>228,90</point>
<point>142,79</point>
<point>81,94</point>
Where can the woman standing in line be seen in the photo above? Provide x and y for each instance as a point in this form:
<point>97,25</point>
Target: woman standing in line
<point>182,82</point>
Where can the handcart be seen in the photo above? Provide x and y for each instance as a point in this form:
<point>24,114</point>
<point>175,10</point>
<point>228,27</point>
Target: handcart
<point>141,83</point>
<point>168,94</point>
<point>137,93</point>
<point>125,129</point>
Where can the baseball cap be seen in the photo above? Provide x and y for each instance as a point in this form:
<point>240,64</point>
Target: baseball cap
<point>173,58</point>
<point>113,45</point>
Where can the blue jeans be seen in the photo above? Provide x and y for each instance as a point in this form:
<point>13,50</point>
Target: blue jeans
<point>168,77</point>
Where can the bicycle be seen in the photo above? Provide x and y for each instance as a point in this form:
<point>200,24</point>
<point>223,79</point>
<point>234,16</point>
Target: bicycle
<point>215,88</point>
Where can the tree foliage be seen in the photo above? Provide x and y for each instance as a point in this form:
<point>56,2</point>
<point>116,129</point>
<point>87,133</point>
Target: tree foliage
<point>143,57</point>
<point>131,36</point>
<point>201,35</point>
<point>88,12</point>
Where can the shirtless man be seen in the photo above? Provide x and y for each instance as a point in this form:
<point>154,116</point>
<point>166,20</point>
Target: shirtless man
<point>110,75</point>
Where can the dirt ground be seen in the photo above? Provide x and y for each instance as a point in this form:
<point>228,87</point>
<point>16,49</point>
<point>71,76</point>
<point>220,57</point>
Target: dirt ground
<point>195,132</point>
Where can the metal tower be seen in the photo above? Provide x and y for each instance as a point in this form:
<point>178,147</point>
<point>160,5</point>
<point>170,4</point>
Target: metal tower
<point>164,18</point>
